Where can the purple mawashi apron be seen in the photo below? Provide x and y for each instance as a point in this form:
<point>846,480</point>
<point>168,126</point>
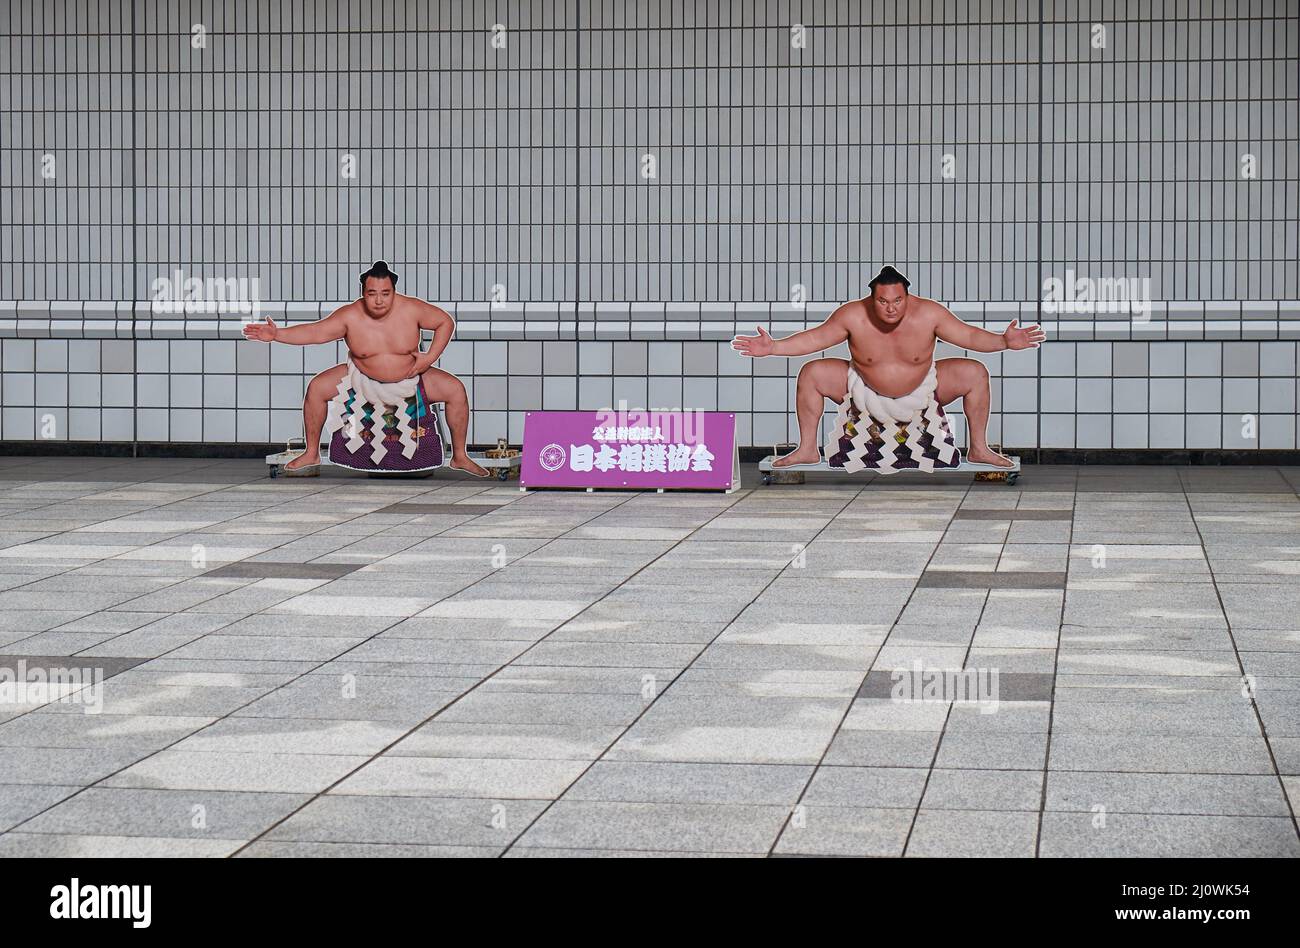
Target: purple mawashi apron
<point>424,420</point>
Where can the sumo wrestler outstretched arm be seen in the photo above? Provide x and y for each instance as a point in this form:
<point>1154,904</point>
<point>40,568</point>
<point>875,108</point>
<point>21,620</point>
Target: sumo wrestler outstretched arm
<point>826,336</point>
<point>963,335</point>
<point>333,327</point>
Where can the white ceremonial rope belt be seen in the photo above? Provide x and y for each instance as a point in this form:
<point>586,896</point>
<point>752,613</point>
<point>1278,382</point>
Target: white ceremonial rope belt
<point>383,396</point>
<point>882,408</point>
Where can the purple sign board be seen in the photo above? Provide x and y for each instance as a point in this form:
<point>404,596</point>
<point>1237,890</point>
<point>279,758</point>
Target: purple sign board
<point>636,450</point>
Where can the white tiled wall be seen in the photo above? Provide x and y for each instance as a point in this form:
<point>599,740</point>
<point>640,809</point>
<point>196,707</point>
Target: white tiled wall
<point>1175,382</point>
<point>996,144</point>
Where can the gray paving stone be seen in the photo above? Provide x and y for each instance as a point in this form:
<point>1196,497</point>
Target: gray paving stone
<point>906,661</point>
<point>293,736</point>
<point>787,657</point>
<point>455,510</point>
<point>1173,606</point>
<point>988,790</point>
<point>493,778</point>
<point>992,750</point>
<point>1189,794</point>
<point>268,569</point>
<point>348,627</point>
<point>408,821</point>
<point>353,698</point>
<point>973,834</point>
<point>610,631</point>
<point>871,787</point>
<point>1132,661</point>
<point>1148,688</point>
<point>615,655</point>
<point>64,766</point>
<point>1119,639</point>
<point>762,682</point>
<point>64,643</point>
<point>1018,513</point>
<point>974,579</point>
<point>744,744</point>
<point>57,846</point>
<point>943,635</point>
<point>1077,835</point>
<point>1096,717</point>
<point>258,647</point>
<point>683,609</point>
<point>883,748</point>
<point>671,782</point>
<point>539,852</point>
<point>1022,717</point>
<point>442,738</point>
<point>265,849</point>
<point>19,802</point>
<point>466,630</point>
<point>31,621</point>
<point>1011,686</point>
<point>579,679</point>
<point>33,662</point>
<point>193,814</point>
<point>132,733</point>
<point>883,714</point>
<point>115,622</point>
<point>483,707</point>
<point>1127,753</point>
<point>334,603</point>
<point>1287,750</point>
<point>825,830</point>
<point>668,827</point>
<point>229,770</point>
<point>145,696</point>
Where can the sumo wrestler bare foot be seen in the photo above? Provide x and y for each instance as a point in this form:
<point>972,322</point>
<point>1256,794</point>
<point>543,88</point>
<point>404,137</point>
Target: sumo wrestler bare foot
<point>986,455</point>
<point>798,456</point>
<point>463,462</point>
<point>306,464</point>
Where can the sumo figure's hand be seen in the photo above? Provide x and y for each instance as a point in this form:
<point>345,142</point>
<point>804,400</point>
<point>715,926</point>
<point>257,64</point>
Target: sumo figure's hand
<point>261,332</point>
<point>423,363</point>
<point>1023,337</point>
<point>754,346</point>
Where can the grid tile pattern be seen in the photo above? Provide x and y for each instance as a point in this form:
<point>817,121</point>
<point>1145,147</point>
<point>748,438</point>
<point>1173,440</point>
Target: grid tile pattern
<point>323,671</point>
<point>652,151</point>
<point>626,172</point>
<point>1193,393</point>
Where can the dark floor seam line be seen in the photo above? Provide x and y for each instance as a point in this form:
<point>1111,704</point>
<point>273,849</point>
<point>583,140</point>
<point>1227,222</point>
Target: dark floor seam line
<point>1056,664</point>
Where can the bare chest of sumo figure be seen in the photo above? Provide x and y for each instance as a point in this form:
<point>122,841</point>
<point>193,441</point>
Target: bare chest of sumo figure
<point>896,361</point>
<point>384,349</point>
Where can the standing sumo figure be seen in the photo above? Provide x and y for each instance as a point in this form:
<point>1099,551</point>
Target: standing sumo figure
<point>377,405</point>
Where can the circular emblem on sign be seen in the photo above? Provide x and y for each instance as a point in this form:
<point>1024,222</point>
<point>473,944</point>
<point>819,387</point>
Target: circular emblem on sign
<point>551,457</point>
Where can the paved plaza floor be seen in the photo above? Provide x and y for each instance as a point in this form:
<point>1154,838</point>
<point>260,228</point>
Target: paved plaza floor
<point>353,666</point>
